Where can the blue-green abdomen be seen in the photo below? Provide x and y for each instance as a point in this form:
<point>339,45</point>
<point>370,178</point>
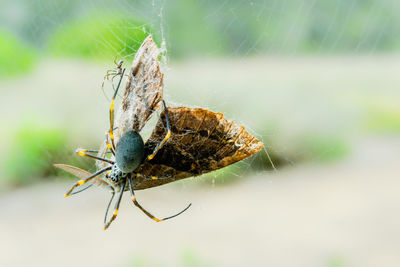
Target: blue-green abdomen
<point>129,152</point>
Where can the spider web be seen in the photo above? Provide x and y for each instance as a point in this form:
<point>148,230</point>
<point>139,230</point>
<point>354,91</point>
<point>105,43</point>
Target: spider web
<point>243,34</point>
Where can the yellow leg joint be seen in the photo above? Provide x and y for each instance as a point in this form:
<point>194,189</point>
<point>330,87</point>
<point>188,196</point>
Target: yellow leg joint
<point>168,135</point>
<point>81,152</point>
<point>109,145</point>
<point>159,146</point>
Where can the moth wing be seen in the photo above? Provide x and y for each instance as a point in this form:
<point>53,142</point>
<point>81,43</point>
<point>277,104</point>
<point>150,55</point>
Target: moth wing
<point>143,91</point>
<point>201,141</point>
<point>81,174</point>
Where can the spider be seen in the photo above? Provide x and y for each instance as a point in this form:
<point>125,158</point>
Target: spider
<point>129,155</point>
<point>117,71</point>
<point>186,142</point>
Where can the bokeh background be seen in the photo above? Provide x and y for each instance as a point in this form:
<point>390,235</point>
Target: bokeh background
<point>317,81</point>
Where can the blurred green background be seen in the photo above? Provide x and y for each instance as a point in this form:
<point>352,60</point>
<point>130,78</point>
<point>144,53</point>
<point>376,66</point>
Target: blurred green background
<point>316,81</point>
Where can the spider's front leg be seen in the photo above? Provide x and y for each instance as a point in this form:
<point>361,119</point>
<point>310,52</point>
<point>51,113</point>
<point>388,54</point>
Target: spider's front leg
<point>167,136</point>
<point>85,153</point>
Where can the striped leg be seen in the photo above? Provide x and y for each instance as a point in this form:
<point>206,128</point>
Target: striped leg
<point>108,206</point>
<point>109,145</point>
<point>81,190</point>
<point>111,133</point>
<point>148,177</point>
<point>83,181</point>
<point>84,152</point>
<point>106,225</point>
<point>167,136</point>
<point>145,211</point>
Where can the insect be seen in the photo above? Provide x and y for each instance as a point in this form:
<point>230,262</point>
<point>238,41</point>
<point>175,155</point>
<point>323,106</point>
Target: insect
<point>185,142</point>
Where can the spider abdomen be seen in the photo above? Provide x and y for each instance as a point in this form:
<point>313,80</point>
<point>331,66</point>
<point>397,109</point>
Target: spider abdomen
<point>129,152</point>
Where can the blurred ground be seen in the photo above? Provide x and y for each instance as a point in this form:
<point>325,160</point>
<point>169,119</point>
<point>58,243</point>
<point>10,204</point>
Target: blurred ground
<point>343,214</point>
<point>338,215</point>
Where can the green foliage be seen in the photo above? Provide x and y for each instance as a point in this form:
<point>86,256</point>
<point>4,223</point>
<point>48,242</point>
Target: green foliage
<point>307,25</point>
<point>336,262</point>
<point>198,28</point>
<point>139,261</point>
<point>190,258</point>
<point>383,119</point>
<point>99,36</point>
<point>352,26</point>
<point>323,148</point>
<point>266,159</point>
<point>191,33</point>
<point>225,175</point>
<point>16,57</point>
<point>33,151</point>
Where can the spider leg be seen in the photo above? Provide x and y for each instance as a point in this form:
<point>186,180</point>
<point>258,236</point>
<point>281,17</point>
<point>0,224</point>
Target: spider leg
<point>148,177</point>
<point>145,211</point>
<point>109,145</point>
<point>95,151</point>
<point>106,225</point>
<point>167,136</point>
<point>112,112</point>
<point>83,181</point>
<point>107,78</point>
<point>116,75</point>
<point>108,74</point>
<point>115,59</point>
<point>81,190</point>
<point>84,152</point>
<point>108,206</point>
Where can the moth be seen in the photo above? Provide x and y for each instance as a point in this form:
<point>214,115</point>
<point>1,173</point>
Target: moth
<point>185,142</point>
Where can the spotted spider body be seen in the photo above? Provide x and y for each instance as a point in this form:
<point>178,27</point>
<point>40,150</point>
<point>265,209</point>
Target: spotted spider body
<point>116,174</point>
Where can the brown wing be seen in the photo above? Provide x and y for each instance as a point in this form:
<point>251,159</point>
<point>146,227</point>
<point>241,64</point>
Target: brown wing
<point>82,174</point>
<point>201,141</point>
<point>143,91</point>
